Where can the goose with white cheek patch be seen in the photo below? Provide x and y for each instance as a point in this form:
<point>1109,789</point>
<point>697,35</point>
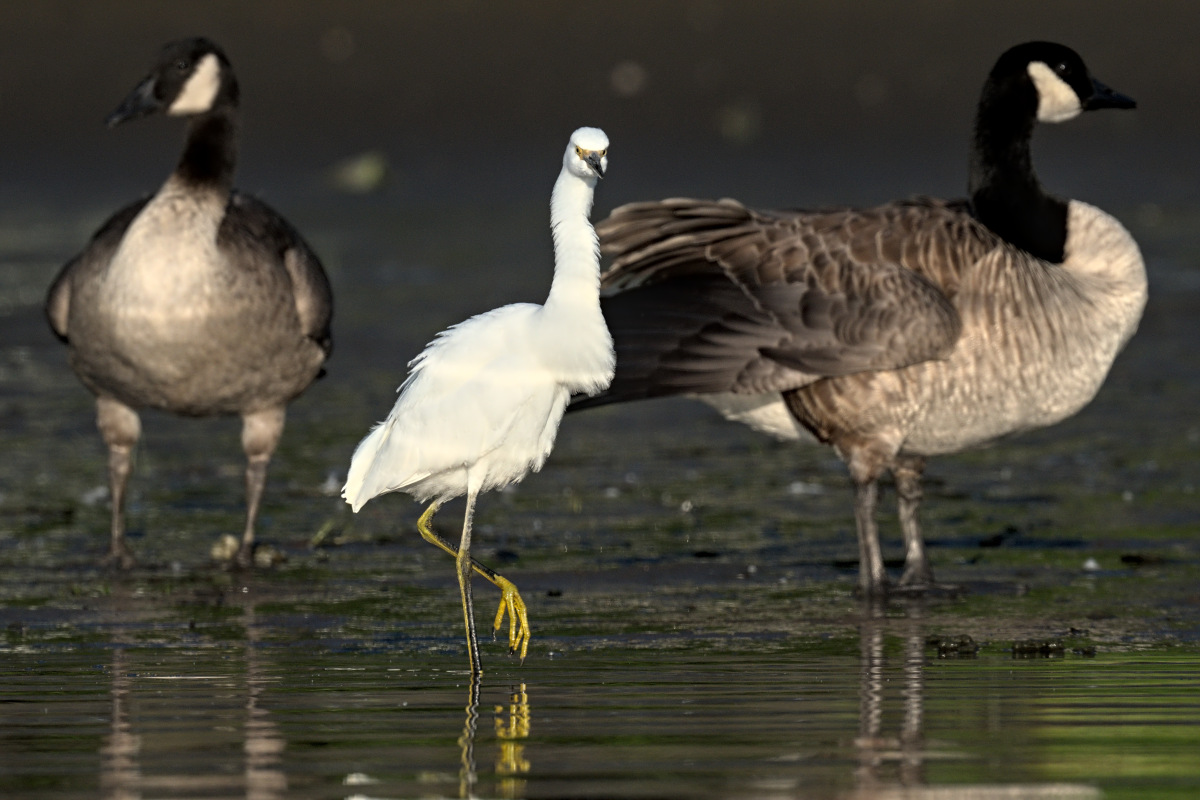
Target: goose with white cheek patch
<point>894,333</point>
<point>199,300</point>
<point>481,405</point>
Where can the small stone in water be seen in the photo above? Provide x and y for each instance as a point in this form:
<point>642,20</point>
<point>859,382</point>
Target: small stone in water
<point>225,548</point>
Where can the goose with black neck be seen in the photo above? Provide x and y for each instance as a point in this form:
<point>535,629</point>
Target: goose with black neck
<point>199,300</point>
<point>895,333</point>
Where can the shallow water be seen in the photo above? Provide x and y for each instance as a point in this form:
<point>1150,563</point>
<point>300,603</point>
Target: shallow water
<point>871,711</point>
<point>690,586</point>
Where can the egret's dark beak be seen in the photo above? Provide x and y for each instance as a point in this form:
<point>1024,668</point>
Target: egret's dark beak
<point>140,102</point>
<point>596,162</point>
<point>1104,97</point>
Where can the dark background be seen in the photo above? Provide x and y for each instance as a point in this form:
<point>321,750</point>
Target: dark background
<point>774,102</point>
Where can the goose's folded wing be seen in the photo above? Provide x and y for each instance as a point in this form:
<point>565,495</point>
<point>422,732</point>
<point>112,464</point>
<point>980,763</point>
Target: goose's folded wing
<point>251,224</point>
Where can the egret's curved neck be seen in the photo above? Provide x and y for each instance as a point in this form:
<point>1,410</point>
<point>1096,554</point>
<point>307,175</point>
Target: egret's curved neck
<point>576,249</point>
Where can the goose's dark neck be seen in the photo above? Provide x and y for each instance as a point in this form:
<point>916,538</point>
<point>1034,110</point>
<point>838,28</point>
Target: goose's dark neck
<point>1005,192</point>
<point>210,154</point>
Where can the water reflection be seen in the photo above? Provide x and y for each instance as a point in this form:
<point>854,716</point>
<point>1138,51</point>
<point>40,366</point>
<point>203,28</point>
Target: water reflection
<point>512,728</point>
<point>120,766</point>
<point>512,723</point>
<point>467,775</point>
<point>876,749</point>
<point>123,750</point>
<point>878,716</point>
<point>873,747</point>
<point>120,773</point>
<point>208,722</point>
<point>264,745</point>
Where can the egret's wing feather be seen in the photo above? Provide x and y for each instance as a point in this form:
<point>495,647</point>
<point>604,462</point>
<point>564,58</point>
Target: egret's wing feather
<point>471,397</point>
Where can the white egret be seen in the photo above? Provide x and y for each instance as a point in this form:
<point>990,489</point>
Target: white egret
<point>482,403</point>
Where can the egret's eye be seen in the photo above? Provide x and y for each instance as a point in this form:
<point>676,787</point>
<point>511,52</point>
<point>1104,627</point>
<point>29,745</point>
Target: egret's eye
<point>579,151</point>
<point>601,153</point>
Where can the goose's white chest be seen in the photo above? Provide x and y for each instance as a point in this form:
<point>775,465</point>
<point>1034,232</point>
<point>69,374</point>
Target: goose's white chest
<point>1038,340</point>
<point>167,267</point>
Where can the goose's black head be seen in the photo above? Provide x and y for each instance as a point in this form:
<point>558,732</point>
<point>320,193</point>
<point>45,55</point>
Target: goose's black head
<point>1050,82</point>
<point>1030,83</point>
<point>191,77</point>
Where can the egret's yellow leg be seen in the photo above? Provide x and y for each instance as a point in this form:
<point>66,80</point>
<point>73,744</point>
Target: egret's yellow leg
<point>510,599</point>
<point>462,565</point>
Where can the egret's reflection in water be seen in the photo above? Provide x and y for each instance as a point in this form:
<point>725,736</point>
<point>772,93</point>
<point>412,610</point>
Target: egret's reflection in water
<point>512,729</point>
<point>512,723</point>
<point>466,774</point>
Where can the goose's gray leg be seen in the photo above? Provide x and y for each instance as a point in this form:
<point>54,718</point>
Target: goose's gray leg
<point>120,428</point>
<point>872,580</point>
<point>908,471</point>
<point>260,435</point>
<point>866,464</point>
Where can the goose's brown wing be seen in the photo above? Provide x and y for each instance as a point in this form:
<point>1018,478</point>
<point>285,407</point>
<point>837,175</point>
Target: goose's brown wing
<point>706,297</point>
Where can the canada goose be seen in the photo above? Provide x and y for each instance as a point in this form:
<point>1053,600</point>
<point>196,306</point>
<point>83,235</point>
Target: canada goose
<point>200,300</point>
<point>481,405</point>
<point>894,333</point>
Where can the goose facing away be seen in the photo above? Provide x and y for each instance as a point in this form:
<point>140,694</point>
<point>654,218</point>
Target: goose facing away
<point>199,300</point>
<point>893,333</point>
<point>481,405</point>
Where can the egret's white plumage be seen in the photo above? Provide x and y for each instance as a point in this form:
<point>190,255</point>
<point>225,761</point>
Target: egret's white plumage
<point>481,405</point>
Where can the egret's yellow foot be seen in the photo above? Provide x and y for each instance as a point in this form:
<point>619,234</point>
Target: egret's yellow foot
<point>510,599</point>
<point>518,620</point>
<point>511,761</point>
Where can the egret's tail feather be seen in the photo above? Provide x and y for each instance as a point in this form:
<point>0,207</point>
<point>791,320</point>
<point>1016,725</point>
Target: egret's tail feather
<point>356,491</point>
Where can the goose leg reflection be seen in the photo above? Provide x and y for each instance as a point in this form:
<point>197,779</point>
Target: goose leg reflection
<point>264,744</point>
<point>870,695</point>
<point>120,770</point>
<point>510,599</point>
<point>912,736</point>
<point>874,748</point>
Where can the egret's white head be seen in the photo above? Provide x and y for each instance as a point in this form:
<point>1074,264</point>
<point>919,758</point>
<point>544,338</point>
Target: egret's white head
<point>587,154</point>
